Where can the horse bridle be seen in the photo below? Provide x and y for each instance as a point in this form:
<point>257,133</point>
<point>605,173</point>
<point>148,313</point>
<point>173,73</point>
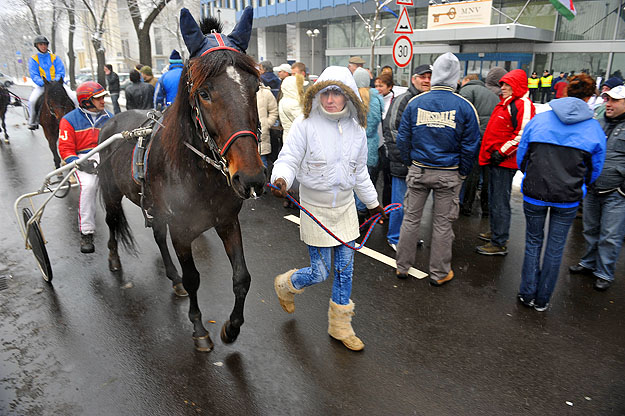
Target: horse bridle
<point>217,155</point>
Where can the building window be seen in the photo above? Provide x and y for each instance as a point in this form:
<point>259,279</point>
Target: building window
<point>340,33</point>
<point>618,65</point>
<point>158,41</point>
<point>126,48</point>
<point>595,20</point>
<point>540,14</point>
<point>594,64</point>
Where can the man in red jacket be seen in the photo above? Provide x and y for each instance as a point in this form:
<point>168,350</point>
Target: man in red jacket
<point>498,151</point>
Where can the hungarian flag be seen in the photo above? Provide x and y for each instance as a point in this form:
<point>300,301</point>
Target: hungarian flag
<point>565,7</point>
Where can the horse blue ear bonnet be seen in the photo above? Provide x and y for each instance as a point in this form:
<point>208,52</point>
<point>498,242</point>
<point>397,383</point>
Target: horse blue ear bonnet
<point>199,44</point>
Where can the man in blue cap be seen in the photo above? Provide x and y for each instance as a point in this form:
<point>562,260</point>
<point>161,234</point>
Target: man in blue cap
<point>167,86</point>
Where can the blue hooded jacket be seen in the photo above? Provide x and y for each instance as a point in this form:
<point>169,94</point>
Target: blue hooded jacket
<point>374,118</point>
<point>45,65</point>
<point>167,86</point>
<point>561,152</point>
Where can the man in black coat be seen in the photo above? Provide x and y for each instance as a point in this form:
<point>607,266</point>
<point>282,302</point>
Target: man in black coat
<point>112,81</point>
<point>139,95</point>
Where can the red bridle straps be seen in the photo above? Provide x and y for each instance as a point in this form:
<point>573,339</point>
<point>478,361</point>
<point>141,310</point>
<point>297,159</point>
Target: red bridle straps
<point>236,136</point>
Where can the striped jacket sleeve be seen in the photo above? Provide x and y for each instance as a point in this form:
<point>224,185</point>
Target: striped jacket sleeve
<point>523,111</point>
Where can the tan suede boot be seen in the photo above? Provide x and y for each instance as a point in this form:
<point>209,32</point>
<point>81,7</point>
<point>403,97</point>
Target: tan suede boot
<point>285,290</point>
<point>340,325</point>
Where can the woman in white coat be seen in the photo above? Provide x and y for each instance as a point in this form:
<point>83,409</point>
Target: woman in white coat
<point>290,106</point>
<point>327,153</point>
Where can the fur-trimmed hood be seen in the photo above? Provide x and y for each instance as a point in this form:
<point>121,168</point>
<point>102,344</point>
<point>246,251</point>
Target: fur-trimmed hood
<point>341,77</point>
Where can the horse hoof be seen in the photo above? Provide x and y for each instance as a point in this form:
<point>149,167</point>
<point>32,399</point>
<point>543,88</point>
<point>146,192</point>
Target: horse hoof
<point>203,344</point>
<point>179,290</point>
<point>115,265</point>
<point>227,339</point>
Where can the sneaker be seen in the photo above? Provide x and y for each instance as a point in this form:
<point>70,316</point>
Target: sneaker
<point>524,301</point>
<point>485,236</point>
<point>392,245</point>
<point>602,284</point>
<point>441,282</point>
<point>540,308</point>
<point>489,249</point>
<point>579,269</point>
<point>86,243</point>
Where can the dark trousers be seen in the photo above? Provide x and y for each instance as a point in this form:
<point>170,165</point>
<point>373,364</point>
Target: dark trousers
<point>545,94</point>
<point>499,187</point>
<point>470,188</point>
<point>534,94</point>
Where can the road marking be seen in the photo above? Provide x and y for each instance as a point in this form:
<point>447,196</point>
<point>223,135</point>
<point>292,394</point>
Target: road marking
<point>382,258</point>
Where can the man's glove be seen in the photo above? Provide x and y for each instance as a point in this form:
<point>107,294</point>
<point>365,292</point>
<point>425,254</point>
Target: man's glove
<point>88,166</point>
<point>621,189</point>
<point>281,191</point>
<point>378,210</point>
<point>496,158</point>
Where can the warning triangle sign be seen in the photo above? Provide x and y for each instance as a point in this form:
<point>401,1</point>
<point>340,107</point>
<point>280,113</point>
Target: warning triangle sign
<point>405,2</point>
<point>403,23</point>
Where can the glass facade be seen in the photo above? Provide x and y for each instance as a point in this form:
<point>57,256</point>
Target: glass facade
<point>595,20</point>
<point>539,14</point>
<point>618,65</point>
<point>594,64</point>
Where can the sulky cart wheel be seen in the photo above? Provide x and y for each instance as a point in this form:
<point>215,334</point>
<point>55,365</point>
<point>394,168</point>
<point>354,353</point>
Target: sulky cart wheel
<point>37,244</point>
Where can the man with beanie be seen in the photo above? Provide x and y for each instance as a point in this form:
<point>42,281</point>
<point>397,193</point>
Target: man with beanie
<point>148,76</point>
<point>419,83</point>
<point>167,86</point>
<point>498,152</point>
<point>438,137</point>
<point>268,77</point>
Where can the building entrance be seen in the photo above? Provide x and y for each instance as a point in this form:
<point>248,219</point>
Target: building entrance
<point>481,63</point>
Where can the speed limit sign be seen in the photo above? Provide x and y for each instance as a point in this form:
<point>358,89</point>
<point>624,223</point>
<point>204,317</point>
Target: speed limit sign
<point>402,51</point>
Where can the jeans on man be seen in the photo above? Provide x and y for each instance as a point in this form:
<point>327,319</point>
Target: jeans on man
<point>604,230</point>
<point>319,270</point>
<point>445,184</point>
<point>115,101</point>
<point>499,188</point>
<point>395,218</point>
<point>538,282</point>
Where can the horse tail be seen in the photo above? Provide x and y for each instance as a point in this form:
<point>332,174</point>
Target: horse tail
<point>115,217</point>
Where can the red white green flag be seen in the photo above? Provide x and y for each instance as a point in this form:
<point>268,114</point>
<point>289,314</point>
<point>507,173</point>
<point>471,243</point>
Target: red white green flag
<point>565,7</point>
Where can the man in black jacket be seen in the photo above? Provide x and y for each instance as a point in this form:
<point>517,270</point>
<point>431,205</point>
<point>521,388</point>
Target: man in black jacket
<point>139,95</point>
<point>112,80</point>
<point>420,82</point>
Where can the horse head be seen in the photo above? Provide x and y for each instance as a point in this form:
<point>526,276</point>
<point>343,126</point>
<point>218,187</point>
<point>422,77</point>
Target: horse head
<point>217,91</point>
<point>56,99</point>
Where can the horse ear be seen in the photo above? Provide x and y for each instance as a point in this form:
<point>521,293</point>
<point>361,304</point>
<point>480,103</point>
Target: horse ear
<point>191,32</point>
<point>45,81</point>
<point>242,32</point>
<point>61,80</point>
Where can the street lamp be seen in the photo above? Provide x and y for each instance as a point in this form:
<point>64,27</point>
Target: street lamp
<point>312,34</point>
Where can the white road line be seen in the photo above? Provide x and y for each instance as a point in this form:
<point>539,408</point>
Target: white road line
<point>373,254</point>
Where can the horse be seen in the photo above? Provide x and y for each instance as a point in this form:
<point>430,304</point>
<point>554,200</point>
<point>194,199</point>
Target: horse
<point>186,190</point>
<point>5,99</point>
<point>55,103</point>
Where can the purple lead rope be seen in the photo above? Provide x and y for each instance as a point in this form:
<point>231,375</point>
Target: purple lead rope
<point>371,221</point>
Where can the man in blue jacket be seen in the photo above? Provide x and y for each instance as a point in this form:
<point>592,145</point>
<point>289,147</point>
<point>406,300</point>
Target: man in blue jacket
<point>48,66</point>
<point>438,137</point>
<point>167,87</point>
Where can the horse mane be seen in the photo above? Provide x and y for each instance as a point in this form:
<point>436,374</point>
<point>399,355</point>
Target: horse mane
<point>55,91</point>
<point>178,120</point>
<point>210,24</point>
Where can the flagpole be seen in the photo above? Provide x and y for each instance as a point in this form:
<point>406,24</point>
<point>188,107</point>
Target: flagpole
<point>521,12</point>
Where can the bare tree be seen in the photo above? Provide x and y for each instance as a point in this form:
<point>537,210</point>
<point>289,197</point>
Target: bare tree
<point>96,38</point>
<point>376,32</point>
<point>56,13</point>
<point>71,56</point>
<point>142,27</point>
<point>31,4</point>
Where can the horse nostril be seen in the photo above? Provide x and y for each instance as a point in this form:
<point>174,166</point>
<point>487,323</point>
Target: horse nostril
<point>236,180</point>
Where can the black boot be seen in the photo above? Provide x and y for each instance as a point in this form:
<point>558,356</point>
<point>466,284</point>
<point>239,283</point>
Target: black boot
<point>86,243</point>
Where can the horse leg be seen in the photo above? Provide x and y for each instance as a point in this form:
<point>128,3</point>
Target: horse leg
<point>191,282</point>
<point>4,127</point>
<point>230,235</point>
<point>55,153</point>
<point>159,228</point>
<point>113,214</point>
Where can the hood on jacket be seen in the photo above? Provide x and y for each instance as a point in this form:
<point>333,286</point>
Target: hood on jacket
<point>446,70</point>
<point>293,87</point>
<point>341,77</point>
<point>571,110</point>
<point>475,82</point>
<point>517,79</point>
<point>493,78</point>
<point>362,78</point>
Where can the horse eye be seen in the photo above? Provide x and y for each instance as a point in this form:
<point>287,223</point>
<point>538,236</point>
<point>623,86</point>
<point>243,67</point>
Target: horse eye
<point>204,95</point>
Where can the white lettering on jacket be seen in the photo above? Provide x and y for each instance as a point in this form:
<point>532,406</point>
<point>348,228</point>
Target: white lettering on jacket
<point>436,119</point>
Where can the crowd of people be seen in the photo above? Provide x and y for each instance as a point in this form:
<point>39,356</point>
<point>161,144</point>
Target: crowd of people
<point>327,141</point>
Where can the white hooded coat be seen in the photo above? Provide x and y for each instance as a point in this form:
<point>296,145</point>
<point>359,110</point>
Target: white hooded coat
<point>329,159</point>
<point>290,106</point>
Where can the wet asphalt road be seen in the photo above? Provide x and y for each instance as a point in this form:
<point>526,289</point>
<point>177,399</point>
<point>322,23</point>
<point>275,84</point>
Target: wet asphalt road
<point>96,343</point>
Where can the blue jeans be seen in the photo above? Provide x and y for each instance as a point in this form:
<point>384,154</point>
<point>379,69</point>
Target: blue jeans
<point>319,270</point>
<point>499,187</point>
<point>398,193</point>
<point>604,229</point>
<point>538,282</point>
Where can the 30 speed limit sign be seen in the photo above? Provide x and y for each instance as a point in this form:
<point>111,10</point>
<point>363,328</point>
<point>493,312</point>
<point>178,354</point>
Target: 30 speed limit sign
<point>402,51</point>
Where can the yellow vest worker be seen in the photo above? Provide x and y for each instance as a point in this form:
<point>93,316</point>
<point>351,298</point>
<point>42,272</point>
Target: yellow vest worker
<point>533,82</point>
<point>545,81</point>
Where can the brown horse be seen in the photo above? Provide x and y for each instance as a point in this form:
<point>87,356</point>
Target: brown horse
<point>214,113</point>
<point>5,99</point>
<point>55,103</point>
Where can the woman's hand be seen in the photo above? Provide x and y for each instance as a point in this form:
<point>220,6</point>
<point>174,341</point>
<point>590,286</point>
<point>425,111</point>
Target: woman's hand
<point>378,210</point>
<point>281,191</point>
